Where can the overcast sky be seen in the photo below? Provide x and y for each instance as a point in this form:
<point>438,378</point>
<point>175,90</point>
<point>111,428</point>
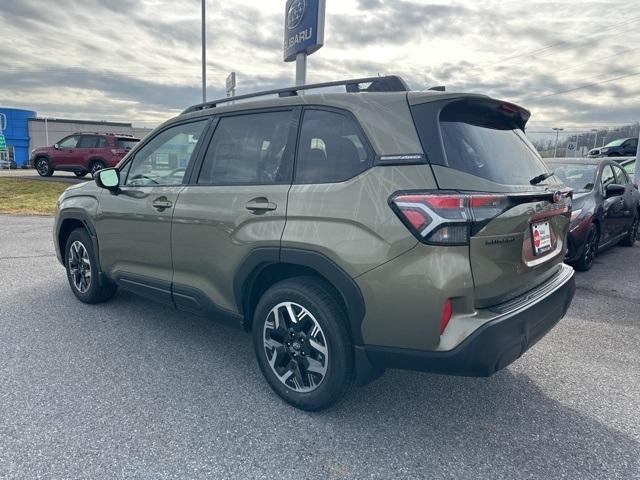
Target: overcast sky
<point>139,60</point>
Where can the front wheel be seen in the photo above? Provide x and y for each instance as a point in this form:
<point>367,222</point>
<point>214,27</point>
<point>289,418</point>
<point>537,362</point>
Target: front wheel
<point>589,250</point>
<point>302,344</point>
<point>632,234</point>
<point>82,269</point>
<point>43,167</point>
<point>79,173</point>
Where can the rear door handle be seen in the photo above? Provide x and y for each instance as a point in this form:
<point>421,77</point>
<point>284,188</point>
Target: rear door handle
<point>260,205</point>
<point>162,203</point>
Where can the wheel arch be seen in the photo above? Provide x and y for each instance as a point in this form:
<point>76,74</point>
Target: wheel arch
<point>95,159</point>
<point>265,266</point>
<point>69,221</point>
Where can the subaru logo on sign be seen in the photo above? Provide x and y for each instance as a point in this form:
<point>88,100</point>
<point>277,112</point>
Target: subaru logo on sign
<point>295,13</point>
<point>303,28</point>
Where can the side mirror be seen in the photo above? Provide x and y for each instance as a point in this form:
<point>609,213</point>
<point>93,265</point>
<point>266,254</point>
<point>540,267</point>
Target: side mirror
<point>56,146</point>
<point>108,178</point>
<point>615,190</point>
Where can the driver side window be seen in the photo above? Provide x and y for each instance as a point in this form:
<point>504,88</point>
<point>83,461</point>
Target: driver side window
<point>164,160</point>
<point>607,177</point>
<point>69,142</point>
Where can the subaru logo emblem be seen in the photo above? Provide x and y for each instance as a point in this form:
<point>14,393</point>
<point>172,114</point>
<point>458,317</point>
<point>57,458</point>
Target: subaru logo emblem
<point>557,197</point>
<point>296,13</point>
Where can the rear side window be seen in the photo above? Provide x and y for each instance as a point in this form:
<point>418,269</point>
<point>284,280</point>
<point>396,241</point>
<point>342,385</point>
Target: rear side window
<point>126,143</point>
<point>249,149</point>
<point>88,141</point>
<point>621,177</point>
<point>481,138</point>
<point>331,148</point>
<point>102,142</point>
<point>630,167</point>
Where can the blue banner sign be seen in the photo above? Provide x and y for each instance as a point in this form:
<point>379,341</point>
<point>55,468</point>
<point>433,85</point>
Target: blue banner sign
<point>303,27</point>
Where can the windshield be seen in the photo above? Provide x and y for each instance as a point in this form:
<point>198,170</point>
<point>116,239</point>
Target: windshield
<point>615,143</point>
<point>581,178</point>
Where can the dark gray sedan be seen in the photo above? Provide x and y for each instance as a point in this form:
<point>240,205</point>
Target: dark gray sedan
<point>606,206</point>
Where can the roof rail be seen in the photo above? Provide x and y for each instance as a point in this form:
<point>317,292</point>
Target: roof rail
<point>390,83</point>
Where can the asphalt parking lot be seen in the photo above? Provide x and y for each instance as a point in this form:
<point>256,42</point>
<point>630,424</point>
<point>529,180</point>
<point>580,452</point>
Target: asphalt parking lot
<point>129,389</point>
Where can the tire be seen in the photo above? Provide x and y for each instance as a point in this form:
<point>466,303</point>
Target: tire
<point>96,166</point>
<point>43,167</point>
<point>80,258</point>
<point>630,238</point>
<point>297,346</point>
<point>589,250</point>
<point>79,173</point>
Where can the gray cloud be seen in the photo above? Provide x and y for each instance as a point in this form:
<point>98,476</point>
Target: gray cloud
<point>139,60</point>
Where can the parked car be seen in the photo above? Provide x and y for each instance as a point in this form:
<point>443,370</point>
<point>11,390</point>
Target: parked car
<point>8,164</point>
<point>349,232</point>
<point>82,153</point>
<point>606,207</point>
<point>618,148</point>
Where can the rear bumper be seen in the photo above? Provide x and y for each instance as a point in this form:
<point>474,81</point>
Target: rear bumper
<point>518,325</point>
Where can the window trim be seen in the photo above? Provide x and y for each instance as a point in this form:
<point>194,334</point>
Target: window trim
<point>130,157</point>
<point>295,113</point>
<point>372,157</point>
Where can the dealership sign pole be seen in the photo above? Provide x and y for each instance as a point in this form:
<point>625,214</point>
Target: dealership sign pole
<point>303,33</point>
<point>636,175</point>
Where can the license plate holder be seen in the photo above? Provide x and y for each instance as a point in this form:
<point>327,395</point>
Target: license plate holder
<point>540,237</point>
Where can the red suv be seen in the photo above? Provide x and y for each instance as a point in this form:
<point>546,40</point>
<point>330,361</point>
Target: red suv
<point>82,153</point>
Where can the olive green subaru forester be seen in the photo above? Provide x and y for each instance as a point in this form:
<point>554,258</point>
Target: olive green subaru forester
<point>349,231</point>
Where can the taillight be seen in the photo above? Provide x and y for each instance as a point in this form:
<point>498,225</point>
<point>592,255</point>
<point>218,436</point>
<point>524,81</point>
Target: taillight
<point>447,311</point>
<point>447,218</point>
<point>118,151</point>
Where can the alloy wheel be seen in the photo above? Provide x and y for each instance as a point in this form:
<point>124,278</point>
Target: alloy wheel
<point>79,266</point>
<point>42,166</point>
<point>96,167</point>
<point>591,247</point>
<point>296,347</point>
<point>633,234</point>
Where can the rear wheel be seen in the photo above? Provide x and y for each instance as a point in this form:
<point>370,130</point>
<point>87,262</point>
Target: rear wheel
<point>82,269</point>
<point>79,173</point>
<point>630,238</point>
<point>302,344</point>
<point>43,167</point>
<point>96,166</point>
<point>589,250</point>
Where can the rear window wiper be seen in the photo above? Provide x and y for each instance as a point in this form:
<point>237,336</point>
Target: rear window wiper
<point>541,178</point>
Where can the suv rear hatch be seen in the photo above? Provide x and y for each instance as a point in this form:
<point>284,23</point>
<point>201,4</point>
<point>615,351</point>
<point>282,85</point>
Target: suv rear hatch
<point>494,195</point>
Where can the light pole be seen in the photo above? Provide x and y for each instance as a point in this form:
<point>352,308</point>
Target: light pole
<point>204,53</point>
<point>595,140</point>
<point>557,130</point>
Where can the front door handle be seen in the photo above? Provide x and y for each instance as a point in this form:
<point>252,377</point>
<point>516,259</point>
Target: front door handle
<point>162,203</point>
<point>260,205</point>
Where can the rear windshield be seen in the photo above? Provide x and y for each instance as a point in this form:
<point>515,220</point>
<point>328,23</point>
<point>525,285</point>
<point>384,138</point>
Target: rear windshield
<point>127,143</point>
<point>480,137</point>
<point>480,140</point>
<point>581,178</point>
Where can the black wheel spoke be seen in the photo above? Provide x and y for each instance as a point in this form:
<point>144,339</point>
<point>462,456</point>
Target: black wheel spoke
<point>295,346</point>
